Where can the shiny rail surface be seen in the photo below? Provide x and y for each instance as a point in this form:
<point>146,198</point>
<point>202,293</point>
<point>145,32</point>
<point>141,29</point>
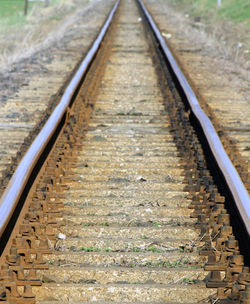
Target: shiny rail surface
<point>19,179</point>
<point>231,175</point>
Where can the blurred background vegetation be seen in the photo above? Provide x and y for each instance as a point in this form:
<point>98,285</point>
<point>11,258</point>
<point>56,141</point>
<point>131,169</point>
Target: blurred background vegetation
<point>20,35</point>
<point>45,23</point>
<point>234,10</point>
<point>12,11</point>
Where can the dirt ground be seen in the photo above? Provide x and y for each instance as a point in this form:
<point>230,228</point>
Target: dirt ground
<point>26,52</point>
<point>228,38</point>
<point>42,27</point>
<point>31,86</point>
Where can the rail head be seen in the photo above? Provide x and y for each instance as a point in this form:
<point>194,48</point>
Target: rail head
<point>18,181</point>
<point>233,180</point>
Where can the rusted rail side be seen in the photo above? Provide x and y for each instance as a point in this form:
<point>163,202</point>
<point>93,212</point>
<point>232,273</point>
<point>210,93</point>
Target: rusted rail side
<point>229,172</point>
<point>19,179</point>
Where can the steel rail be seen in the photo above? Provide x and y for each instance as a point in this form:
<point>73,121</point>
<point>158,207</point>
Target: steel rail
<point>17,183</point>
<point>229,172</point>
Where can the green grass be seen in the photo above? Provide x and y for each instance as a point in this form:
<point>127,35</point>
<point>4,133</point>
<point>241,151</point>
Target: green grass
<point>234,10</point>
<point>154,249</point>
<point>105,224</point>
<point>175,264</point>
<point>136,249</point>
<point>12,11</point>
<point>189,281</point>
<point>90,249</point>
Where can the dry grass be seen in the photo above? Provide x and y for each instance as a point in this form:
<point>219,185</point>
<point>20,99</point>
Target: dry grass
<point>222,39</point>
<point>45,26</point>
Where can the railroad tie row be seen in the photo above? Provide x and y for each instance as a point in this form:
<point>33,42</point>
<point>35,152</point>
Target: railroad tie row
<point>220,245</point>
<point>39,229</point>
<point>38,233</point>
<point>34,239</point>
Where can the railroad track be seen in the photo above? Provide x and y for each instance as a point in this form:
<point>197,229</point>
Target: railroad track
<point>127,199</point>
